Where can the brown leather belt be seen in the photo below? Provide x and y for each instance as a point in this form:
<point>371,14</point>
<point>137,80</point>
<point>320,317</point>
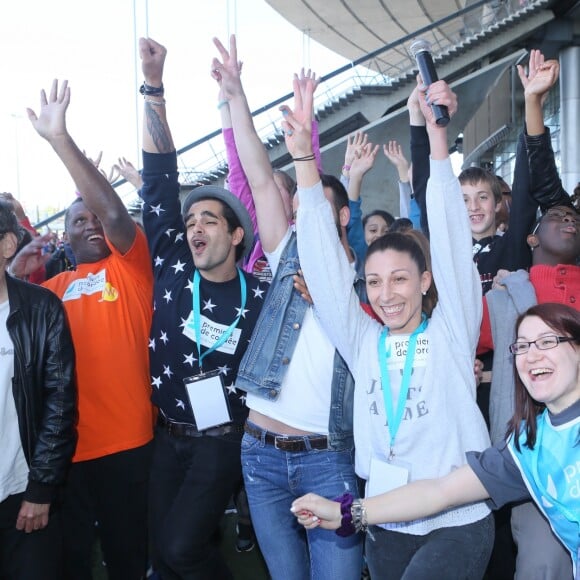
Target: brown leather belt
<point>187,430</point>
<point>292,443</point>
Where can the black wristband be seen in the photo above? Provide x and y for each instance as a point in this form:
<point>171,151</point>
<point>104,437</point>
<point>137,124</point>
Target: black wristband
<point>149,91</point>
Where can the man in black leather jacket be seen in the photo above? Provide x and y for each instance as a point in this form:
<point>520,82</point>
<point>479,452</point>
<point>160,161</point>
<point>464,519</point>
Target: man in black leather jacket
<point>37,418</point>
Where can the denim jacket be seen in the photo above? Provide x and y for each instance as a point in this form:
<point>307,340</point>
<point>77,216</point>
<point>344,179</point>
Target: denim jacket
<point>272,346</point>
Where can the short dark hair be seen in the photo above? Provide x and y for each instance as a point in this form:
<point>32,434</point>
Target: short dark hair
<point>475,175</point>
<point>8,220</point>
<point>416,245</point>
<point>339,198</point>
<point>564,321</point>
<point>232,221</point>
<point>68,211</point>
<point>288,182</point>
<point>401,225</point>
<point>24,238</point>
<point>389,219</point>
<point>339,194</point>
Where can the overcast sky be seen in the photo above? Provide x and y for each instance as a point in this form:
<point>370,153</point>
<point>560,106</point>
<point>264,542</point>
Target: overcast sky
<point>92,44</point>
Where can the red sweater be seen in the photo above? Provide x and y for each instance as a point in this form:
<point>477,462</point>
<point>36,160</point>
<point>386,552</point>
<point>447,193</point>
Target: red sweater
<point>559,284</point>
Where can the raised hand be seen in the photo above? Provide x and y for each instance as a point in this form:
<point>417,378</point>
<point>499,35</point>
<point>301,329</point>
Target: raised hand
<point>227,71</point>
<point>129,172</point>
<point>535,62</point>
<point>544,79</point>
<point>364,160</point>
<point>152,61</point>
<point>113,173</point>
<point>394,153</point>
<point>354,144</point>
<point>303,79</point>
<point>51,122</point>
<point>413,106</point>
<point>439,93</point>
<point>297,124</point>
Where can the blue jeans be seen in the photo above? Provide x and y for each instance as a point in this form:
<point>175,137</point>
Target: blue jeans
<point>457,553</point>
<point>273,479</point>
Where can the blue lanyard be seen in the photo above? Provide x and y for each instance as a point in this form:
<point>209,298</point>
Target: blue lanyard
<point>394,418</point>
<point>197,316</point>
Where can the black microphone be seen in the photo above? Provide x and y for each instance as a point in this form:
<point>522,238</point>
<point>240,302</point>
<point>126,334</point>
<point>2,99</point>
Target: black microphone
<point>421,51</point>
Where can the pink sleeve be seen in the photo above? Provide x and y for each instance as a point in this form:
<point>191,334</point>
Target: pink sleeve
<point>316,145</point>
<point>239,186</point>
<point>237,180</point>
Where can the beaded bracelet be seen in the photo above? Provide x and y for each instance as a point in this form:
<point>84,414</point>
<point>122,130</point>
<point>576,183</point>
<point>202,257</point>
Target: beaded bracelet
<point>154,102</point>
<point>346,167</point>
<point>346,526</point>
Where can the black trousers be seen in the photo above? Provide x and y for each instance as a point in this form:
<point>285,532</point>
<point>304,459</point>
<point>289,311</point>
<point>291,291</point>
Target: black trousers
<point>192,480</point>
<point>28,556</point>
<point>110,492</point>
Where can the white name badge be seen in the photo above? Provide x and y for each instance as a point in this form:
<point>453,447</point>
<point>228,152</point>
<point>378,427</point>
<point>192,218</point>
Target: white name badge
<point>208,400</point>
<point>384,477</point>
<point>211,332</point>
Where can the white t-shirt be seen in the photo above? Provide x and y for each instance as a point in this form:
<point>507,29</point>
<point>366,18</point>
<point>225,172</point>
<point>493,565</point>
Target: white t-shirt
<point>304,401</point>
<point>13,466</point>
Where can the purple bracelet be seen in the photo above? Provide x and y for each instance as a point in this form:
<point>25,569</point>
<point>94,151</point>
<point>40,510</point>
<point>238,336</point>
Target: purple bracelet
<point>346,526</point>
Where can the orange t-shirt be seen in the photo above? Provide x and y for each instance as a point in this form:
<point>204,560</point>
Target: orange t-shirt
<point>109,308</point>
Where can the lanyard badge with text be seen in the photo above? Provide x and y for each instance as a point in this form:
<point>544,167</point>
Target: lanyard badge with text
<point>207,391</point>
<point>391,474</point>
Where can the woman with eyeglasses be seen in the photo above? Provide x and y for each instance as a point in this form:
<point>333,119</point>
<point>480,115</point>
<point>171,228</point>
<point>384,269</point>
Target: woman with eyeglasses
<point>540,460</point>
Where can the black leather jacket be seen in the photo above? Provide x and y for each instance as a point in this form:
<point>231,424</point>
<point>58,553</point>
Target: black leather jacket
<point>546,187</point>
<point>43,385</point>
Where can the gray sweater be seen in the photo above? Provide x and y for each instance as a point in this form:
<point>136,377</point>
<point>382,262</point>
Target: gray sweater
<point>505,305</point>
<point>443,421</point>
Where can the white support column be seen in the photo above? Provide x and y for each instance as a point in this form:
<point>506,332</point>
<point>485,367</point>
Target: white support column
<point>570,116</point>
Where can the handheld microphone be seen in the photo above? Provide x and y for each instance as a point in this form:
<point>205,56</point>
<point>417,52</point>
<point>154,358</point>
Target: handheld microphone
<point>421,51</point>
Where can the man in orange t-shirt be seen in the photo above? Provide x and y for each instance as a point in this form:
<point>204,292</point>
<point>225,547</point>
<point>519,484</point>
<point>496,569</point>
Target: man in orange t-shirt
<point>108,301</point>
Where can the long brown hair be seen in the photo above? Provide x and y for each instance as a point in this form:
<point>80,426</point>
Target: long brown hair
<point>564,321</point>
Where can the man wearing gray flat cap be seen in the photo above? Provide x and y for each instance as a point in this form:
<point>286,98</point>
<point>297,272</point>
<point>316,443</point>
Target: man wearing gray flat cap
<point>205,310</point>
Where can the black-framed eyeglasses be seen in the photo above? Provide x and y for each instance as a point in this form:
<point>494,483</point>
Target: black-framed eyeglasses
<point>543,343</point>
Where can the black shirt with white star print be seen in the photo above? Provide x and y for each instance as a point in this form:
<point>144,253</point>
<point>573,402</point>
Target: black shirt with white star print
<point>173,355</point>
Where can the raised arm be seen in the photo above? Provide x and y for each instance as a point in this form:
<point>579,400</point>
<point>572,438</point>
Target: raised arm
<point>156,134</point>
<point>419,156</point>
<point>545,184</point>
<point>457,281</point>
<point>272,222</point>
<point>394,153</point>
<point>303,78</point>
<point>354,229</point>
<point>322,256</point>
<point>96,191</point>
<point>362,163</point>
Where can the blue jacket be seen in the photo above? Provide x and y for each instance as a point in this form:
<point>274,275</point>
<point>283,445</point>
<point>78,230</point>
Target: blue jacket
<point>272,346</point>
